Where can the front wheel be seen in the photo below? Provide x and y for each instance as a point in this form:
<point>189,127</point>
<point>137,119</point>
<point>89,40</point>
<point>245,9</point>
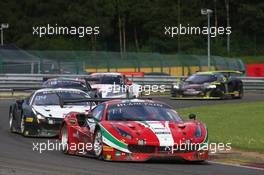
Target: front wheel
<point>11,122</point>
<point>22,126</point>
<point>65,139</point>
<point>173,92</point>
<point>240,94</point>
<point>218,92</point>
<point>98,144</point>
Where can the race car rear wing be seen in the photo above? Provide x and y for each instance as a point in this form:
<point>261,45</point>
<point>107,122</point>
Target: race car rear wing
<point>227,73</point>
<point>26,90</point>
<point>92,100</point>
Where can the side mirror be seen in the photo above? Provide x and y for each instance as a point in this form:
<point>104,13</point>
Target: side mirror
<point>19,103</point>
<point>27,101</point>
<point>129,83</point>
<point>192,116</point>
<point>81,119</point>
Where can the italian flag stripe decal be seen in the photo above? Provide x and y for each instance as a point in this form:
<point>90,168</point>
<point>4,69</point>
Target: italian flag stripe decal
<point>206,140</point>
<point>110,139</point>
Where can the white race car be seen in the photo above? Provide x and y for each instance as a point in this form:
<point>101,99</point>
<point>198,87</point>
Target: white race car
<point>41,114</point>
<point>113,85</point>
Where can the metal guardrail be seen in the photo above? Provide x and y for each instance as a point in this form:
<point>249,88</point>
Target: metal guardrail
<point>16,81</point>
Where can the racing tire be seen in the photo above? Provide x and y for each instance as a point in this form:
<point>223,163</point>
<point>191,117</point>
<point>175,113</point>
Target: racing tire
<point>23,126</point>
<point>222,95</point>
<point>98,144</point>
<point>199,161</point>
<point>11,122</point>
<point>221,92</point>
<point>218,92</point>
<point>65,139</point>
<point>241,94</point>
<point>173,93</point>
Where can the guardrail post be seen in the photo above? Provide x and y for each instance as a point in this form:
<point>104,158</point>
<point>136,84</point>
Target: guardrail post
<point>32,68</point>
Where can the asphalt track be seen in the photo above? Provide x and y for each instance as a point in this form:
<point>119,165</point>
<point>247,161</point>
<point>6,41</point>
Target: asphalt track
<point>17,155</point>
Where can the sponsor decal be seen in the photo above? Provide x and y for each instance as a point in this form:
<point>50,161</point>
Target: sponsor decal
<point>29,119</point>
<point>139,104</point>
<point>108,148</point>
<point>117,154</point>
<point>112,141</point>
<point>60,91</point>
<point>162,132</point>
<point>108,157</point>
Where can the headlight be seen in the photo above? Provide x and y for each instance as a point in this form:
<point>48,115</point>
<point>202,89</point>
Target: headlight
<point>40,117</point>
<point>141,142</point>
<point>123,133</point>
<point>198,131</point>
<point>211,86</point>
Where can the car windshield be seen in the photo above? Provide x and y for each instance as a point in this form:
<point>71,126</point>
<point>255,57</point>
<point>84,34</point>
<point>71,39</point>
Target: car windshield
<point>110,80</point>
<point>142,112</point>
<point>200,79</point>
<point>52,98</point>
<point>92,81</point>
<point>66,84</point>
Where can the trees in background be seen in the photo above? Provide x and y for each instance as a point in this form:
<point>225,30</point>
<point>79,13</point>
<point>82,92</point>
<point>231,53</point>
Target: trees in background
<point>136,25</point>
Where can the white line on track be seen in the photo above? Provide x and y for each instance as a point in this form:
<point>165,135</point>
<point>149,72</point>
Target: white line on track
<point>237,165</point>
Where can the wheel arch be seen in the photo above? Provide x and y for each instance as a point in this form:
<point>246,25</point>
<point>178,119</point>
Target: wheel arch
<point>97,127</point>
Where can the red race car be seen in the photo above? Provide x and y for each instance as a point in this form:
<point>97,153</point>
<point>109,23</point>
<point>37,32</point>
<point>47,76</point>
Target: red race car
<point>133,130</point>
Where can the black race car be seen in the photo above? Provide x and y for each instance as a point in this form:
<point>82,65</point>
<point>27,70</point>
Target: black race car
<point>73,83</point>
<point>209,85</point>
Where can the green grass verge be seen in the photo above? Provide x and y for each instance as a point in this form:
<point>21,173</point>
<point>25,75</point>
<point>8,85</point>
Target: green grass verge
<point>240,124</point>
